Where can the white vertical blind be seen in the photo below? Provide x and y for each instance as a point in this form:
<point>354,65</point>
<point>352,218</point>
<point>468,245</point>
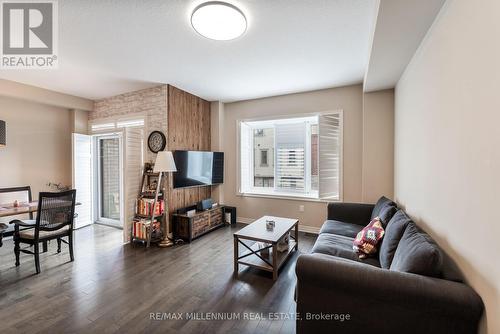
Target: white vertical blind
<point>82,178</point>
<point>246,154</point>
<point>330,150</point>
<point>134,162</point>
<point>290,156</point>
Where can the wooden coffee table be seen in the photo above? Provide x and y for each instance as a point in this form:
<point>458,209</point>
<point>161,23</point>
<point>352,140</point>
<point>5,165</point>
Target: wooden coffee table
<point>257,231</point>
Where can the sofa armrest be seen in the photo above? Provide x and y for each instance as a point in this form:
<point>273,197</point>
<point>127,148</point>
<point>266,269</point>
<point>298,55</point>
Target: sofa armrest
<point>354,213</point>
<point>392,302</point>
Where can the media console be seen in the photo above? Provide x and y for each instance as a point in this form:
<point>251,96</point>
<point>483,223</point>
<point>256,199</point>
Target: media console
<point>189,227</point>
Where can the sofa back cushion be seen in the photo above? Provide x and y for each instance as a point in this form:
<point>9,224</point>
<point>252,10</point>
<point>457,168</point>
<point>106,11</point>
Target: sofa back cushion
<point>393,233</point>
<point>384,209</point>
<point>417,253</point>
<point>386,214</point>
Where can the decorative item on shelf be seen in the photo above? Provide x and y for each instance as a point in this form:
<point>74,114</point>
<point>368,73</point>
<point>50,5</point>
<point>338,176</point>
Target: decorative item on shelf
<point>148,167</point>
<point>3,133</point>
<point>204,204</point>
<point>157,142</point>
<point>58,187</point>
<point>283,243</point>
<point>264,248</point>
<point>165,164</point>
<point>270,225</point>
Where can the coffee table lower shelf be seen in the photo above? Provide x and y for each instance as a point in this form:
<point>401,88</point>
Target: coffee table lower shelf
<point>253,257</point>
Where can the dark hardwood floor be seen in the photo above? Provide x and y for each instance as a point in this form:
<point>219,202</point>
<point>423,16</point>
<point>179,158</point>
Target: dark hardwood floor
<point>114,288</point>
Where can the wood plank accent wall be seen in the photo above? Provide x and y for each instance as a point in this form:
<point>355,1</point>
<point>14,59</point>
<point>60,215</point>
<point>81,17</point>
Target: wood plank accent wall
<point>188,129</point>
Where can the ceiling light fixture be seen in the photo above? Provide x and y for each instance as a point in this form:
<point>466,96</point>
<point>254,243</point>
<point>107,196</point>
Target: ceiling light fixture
<point>219,20</point>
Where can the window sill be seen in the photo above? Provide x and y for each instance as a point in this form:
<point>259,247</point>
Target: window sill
<point>288,197</point>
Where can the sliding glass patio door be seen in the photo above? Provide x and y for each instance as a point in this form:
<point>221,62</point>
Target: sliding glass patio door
<point>108,183</point>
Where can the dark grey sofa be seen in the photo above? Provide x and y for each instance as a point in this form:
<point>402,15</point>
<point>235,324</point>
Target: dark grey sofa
<point>411,286</point>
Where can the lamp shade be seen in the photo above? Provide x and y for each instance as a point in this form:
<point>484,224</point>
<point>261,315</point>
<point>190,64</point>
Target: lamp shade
<point>164,162</point>
<point>3,134</point>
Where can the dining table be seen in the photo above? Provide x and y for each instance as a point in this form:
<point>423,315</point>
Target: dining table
<point>8,210</point>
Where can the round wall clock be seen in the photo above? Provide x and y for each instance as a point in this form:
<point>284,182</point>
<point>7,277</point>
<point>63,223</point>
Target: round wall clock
<point>157,141</point>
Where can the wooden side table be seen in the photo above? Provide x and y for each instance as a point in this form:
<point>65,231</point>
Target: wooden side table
<point>232,212</point>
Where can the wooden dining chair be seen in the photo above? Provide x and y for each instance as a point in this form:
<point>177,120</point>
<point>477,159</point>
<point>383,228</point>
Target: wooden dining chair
<point>22,195</point>
<point>54,220</point>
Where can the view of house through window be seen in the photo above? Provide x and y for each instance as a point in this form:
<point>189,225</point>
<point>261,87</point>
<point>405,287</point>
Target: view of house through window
<point>282,157</point>
<point>263,142</point>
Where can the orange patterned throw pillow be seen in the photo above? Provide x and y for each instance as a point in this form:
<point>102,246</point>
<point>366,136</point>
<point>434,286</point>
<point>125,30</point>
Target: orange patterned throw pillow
<point>367,240</point>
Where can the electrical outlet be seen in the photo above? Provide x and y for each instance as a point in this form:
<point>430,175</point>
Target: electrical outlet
<point>301,208</point>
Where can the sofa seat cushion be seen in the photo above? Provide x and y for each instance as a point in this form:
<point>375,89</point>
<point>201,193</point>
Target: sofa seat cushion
<point>341,228</point>
<point>417,253</point>
<point>393,233</point>
<point>340,246</point>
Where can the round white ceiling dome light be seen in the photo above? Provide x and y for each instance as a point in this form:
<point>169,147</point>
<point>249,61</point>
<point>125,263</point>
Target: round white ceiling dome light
<point>218,20</point>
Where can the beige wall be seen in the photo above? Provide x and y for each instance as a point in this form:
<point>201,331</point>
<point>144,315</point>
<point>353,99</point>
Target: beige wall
<point>79,121</point>
<point>347,98</point>
<point>38,146</point>
<point>21,91</point>
<point>447,142</point>
<point>378,145</point>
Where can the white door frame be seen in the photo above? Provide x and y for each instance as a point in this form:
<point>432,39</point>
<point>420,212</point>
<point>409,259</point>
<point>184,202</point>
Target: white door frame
<point>78,209</point>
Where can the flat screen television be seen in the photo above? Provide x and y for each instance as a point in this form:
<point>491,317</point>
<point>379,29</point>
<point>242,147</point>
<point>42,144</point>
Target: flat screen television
<point>198,168</point>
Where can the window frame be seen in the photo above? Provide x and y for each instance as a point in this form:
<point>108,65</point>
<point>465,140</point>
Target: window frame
<point>262,192</point>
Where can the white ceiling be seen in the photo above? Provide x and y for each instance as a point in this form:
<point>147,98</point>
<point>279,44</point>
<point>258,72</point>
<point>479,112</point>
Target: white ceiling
<point>399,29</point>
<point>108,47</point>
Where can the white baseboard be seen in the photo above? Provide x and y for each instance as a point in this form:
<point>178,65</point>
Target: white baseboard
<point>309,229</point>
<point>302,228</point>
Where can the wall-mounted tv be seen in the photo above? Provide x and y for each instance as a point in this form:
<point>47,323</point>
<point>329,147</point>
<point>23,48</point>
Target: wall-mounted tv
<point>198,168</point>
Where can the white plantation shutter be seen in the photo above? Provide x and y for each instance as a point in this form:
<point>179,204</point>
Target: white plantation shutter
<point>246,150</point>
<point>134,143</point>
<point>330,150</point>
<point>290,141</point>
<point>82,178</point>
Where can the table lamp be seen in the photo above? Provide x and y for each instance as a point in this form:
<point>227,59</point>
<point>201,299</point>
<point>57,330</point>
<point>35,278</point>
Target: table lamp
<point>165,164</point>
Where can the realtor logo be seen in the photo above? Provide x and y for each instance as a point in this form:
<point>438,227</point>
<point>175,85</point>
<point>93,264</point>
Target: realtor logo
<point>29,34</point>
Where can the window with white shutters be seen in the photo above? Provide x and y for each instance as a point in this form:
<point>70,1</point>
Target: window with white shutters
<point>330,155</point>
<point>303,156</point>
